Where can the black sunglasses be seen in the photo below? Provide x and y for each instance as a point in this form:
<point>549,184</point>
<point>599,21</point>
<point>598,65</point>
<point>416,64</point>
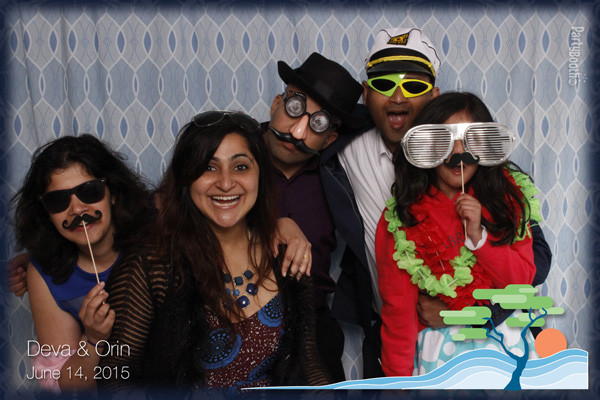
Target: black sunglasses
<point>243,121</point>
<point>89,192</point>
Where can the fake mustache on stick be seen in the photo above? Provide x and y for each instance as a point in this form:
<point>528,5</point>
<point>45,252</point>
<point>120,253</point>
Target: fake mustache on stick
<point>456,158</point>
<point>461,159</point>
<point>87,218</point>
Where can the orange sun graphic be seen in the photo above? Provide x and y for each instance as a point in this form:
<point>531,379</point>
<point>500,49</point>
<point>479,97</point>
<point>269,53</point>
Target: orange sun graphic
<point>549,342</point>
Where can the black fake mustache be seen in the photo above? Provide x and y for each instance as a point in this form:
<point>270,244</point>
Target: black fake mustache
<point>465,157</point>
<point>87,218</point>
<point>287,137</point>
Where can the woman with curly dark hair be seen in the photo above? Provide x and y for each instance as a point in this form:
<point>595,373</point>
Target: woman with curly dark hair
<point>208,306</point>
<point>79,210</point>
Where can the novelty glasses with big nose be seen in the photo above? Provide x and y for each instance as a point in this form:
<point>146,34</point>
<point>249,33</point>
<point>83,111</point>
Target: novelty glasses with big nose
<point>387,84</point>
<point>295,107</point>
<point>427,146</point>
<point>88,192</point>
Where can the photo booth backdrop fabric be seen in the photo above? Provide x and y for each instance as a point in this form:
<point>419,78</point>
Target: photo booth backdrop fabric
<point>134,75</point>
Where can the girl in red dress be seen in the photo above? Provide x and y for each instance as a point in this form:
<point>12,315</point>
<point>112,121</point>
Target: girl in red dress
<point>421,243</point>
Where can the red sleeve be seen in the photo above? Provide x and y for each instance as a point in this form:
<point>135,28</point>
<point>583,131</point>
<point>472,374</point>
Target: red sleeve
<point>507,265</point>
<point>399,310</point>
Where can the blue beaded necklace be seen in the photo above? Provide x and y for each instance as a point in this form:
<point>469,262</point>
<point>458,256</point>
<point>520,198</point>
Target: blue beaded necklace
<point>251,288</point>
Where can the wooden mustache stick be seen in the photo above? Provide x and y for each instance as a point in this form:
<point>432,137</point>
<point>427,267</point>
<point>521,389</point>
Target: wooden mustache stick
<point>462,181</point>
<point>92,253</point>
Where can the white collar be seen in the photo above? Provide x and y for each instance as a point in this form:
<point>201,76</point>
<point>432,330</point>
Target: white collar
<point>382,149</point>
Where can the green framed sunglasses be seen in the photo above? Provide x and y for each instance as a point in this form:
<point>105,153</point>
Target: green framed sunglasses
<point>386,85</point>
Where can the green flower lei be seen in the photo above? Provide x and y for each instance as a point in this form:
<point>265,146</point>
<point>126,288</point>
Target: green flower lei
<point>421,274</point>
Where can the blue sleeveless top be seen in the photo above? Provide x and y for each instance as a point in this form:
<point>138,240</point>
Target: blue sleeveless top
<point>69,295</point>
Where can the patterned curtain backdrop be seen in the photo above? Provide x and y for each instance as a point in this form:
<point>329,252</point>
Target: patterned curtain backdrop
<point>135,73</point>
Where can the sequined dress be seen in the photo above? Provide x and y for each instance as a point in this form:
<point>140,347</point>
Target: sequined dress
<point>249,360</point>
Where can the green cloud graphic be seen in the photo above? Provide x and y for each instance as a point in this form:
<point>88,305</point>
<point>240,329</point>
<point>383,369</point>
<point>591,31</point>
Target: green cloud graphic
<point>466,316</point>
<point>509,298</point>
<point>469,333</point>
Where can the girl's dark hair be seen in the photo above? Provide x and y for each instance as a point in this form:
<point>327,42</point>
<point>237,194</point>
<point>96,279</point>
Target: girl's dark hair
<point>492,188</point>
<point>187,238</point>
<point>132,211</point>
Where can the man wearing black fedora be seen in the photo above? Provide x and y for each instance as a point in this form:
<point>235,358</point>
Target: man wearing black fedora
<point>314,109</point>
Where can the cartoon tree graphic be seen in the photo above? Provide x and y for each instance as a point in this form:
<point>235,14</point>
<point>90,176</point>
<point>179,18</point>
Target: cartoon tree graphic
<point>512,297</point>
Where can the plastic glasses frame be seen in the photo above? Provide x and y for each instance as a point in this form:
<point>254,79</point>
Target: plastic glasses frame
<point>427,146</point>
<point>398,80</point>
<point>210,118</point>
<point>62,198</point>
<point>311,117</point>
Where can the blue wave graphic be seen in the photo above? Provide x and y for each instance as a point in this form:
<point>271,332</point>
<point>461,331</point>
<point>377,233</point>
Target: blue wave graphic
<point>484,369</point>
